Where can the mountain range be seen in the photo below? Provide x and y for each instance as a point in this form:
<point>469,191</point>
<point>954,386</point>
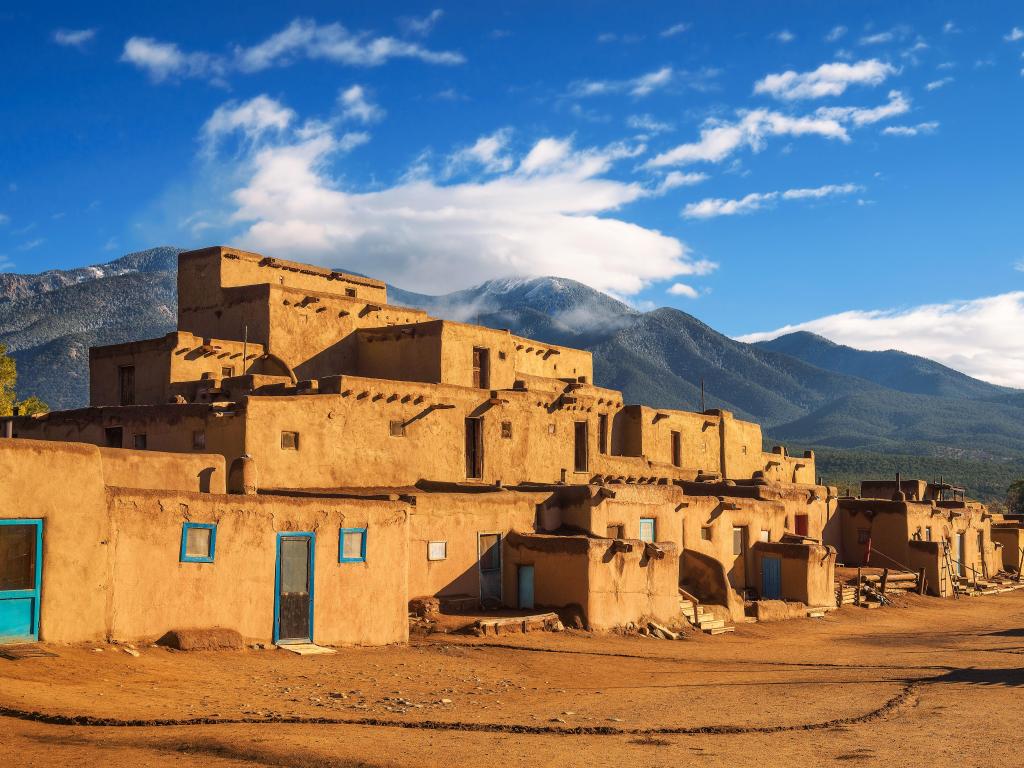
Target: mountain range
<point>865,413</point>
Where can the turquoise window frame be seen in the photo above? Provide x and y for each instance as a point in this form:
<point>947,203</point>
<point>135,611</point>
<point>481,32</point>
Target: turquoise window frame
<point>653,522</point>
<point>341,546</point>
<point>212,528</point>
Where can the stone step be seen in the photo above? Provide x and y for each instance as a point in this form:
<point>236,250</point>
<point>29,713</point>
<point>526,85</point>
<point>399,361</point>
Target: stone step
<point>712,624</point>
<point>718,630</point>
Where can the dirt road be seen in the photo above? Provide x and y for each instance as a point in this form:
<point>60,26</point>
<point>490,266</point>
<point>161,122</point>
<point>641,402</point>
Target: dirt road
<point>935,683</point>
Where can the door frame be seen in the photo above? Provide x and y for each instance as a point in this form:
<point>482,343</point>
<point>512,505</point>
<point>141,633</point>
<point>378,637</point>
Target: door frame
<point>36,592</point>
<point>480,568</point>
<point>311,536</point>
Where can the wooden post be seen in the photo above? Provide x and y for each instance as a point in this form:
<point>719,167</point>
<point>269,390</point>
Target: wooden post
<point>885,578</point>
<point>856,595</point>
<point>920,581</point>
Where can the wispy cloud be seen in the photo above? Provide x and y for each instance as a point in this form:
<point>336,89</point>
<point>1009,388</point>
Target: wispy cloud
<point>878,38</point>
<point>898,104</point>
<point>1019,266</point>
<point>784,36</point>
<point>911,130</point>
<point>648,123</point>
<point>836,33</point>
<point>356,105</point>
<point>4,218</point>
<point>934,85</point>
<point>73,38</point>
<point>675,29</point>
<point>421,26</point>
<point>950,28</point>
<point>979,337</point>
<point>713,207</point>
<point>164,61</point>
<point>827,80</point>
<point>32,244</point>
<point>253,118</point>
<point>639,87</point>
<point>488,153</point>
<point>1014,35</point>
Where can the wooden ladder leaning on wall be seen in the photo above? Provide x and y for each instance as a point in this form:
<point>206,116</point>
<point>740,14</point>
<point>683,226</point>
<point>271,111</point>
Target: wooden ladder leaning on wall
<point>947,561</point>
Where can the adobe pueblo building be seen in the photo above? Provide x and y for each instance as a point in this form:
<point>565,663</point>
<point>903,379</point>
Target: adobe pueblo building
<point>300,459</point>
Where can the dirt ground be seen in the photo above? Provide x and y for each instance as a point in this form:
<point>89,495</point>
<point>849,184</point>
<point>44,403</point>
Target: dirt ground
<point>937,682</point>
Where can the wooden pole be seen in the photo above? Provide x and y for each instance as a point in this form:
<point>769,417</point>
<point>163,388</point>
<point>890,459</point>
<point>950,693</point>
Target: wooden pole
<point>920,581</point>
<point>856,595</point>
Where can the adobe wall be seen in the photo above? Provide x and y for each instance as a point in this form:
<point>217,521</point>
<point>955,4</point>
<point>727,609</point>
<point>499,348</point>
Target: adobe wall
<point>807,571</point>
<point>534,358</point>
<point>193,472</point>
<point>354,603</point>
<point>780,467</point>
<point>928,555</point>
<point>458,519</point>
<point>402,353</point>
<point>699,437</point>
<point>1011,536</point>
<point>888,526</point>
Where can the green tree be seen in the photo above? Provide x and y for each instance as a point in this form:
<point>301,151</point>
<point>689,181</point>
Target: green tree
<point>8,393</point>
<point>1015,498</point>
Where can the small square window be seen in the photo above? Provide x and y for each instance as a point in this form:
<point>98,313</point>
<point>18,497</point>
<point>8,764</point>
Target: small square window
<point>139,441</point>
<point>615,531</point>
<point>437,550</point>
<point>114,437</point>
<point>551,429</point>
<point>198,542</point>
<point>352,545</point>
<point>289,441</point>
<point>502,355</point>
<point>647,529</point>
<point>398,429</point>
<point>766,535</point>
<point>350,292</point>
<point>928,533</point>
<point>506,430</point>
<point>705,533</point>
<point>199,440</point>
<point>227,371</point>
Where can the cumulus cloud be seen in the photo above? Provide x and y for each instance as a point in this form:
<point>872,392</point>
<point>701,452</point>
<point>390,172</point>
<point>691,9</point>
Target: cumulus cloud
<point>978,337</point>
<point>827,80</point>
<point>356,105</point>
<point>163,61</point>
<point>549,211</point>
<point>675,29</point>
<point>911,130</point>
<point>253,118</point>
<point>1014,35</point>
<point>713,207</point>
<point>835,33</point>
<point>640,86</point>
<point>898,104</point>
<point>73,38</point>
<point>489,153</point>
<point>682,289</point>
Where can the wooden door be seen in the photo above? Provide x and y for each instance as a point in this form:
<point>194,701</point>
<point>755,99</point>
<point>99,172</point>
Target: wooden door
<point>489,553</point>
<point>21,547</point>
<point>294,603</point>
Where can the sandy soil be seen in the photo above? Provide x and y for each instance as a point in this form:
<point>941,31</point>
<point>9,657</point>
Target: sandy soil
<point>934,683</point>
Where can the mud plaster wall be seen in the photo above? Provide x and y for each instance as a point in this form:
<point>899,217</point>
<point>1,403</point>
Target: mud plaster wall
<point>354,603</point>
<point>193,472</point>
<point>807,571</point>
<point>403,353</point>
<point>1012,539</point>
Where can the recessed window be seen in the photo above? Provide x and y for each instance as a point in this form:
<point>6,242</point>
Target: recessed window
<point>928,533</point>
<point>765,535</point>
<point>289,441</point>
<point>126,384</point>
<point>113,437</point>
<point>705,533</point>
<point>437,550</point>
<point>198,542</point>
<point>677,449</point>
<point>616,531</point>
<point>397,429</point>
<point>506,430</point>
<point>602,433</point>
<point>199,440</point>
<point>647,529</point>
<point>139,441</point>
<point>352,545</point>
<point>350,292</point>
<point>227,371</point>
<point>551,429</point>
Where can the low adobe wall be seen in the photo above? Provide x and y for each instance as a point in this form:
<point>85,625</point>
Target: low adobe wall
<point>1011,536</point>
<point>196,472</point>
<point>612,587</point>
<point>708,580</point>
<point>807,571</point>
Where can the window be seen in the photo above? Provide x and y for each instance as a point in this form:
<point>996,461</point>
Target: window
<point>705,533</point>
<point>113,437</point>
<point>647,529</point>
<point>139,441</point>
<point>928,533</point>
<point>551,429</point>
<point>17,555</point>
<point>616,532</point>
<point>739,540</point>
<point>289,441</point>
<point>198,542</point>
<point>474,448</point>
<point>506,430</point>
<point>580,448</point>
<point>801,525</point>
<point>437,550</point>
<point>397,429</point>
<point>350,292</point>
<point>199,440</point>
<point>227,371</point>
<point>602,433</point>
<point>481,367</point>
<point>126,384</point>
<point>352,545</point>
<point>765,535</point>
<point>677,449</point>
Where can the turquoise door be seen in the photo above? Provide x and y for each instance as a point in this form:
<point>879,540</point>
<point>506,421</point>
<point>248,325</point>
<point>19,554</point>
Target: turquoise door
<point>526,587</point>
<point>771,578</point>
<point>21,572</point>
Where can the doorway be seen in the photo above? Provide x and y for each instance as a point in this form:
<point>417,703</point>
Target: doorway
<point>581,458</point>
<point>481,367</point>
<point>21,572</point>
<point>525,579</point>
<point>293,599</point>
<point>489,554</point>
<point>474,448</point>
<point>738,572</point>
<point>771,578</point>
<point>960,556</point>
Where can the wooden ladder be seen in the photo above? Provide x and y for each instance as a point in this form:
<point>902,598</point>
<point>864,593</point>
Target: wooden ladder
<point>948,562</point>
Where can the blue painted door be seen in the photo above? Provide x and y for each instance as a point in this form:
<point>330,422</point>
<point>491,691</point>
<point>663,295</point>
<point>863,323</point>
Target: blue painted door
<point>526,587</point>
<point>21,573</point>
<point>771,578</point>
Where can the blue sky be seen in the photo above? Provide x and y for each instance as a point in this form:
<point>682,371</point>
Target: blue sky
<point>850,168</point>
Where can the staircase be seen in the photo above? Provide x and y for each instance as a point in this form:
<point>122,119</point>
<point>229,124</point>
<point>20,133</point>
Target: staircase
<point>701,618</point>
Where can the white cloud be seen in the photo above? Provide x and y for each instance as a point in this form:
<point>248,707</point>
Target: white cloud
<point>253,118</point>
<point>551,213</point>
<point>676,179</point>
<point>934,85</point>
<point>675,29</point>
<point>950,28</point>
<point>640,86</point>
<point>878,38</point>
<point>1014,35</point>
<point>4,218</point>
<point>333,42</point>
<point>784,36</point>
<point>979,337</point>
<point>488,152</point>
<point>827,80</point>
<point>355,105</point>
<point>898,104</point>
<point>421,26</point>
<point>162,61</point>
<point>835,33</point>
<point>648,123</point>
<point>715,206</point>
<point>73,38</point>
<point>682,289</point>
<point>911,130</point>
<point>1019,266</point>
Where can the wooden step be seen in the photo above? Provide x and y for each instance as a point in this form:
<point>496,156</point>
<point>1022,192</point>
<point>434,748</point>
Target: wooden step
<point>718,630</point>
<point>712,624</point>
